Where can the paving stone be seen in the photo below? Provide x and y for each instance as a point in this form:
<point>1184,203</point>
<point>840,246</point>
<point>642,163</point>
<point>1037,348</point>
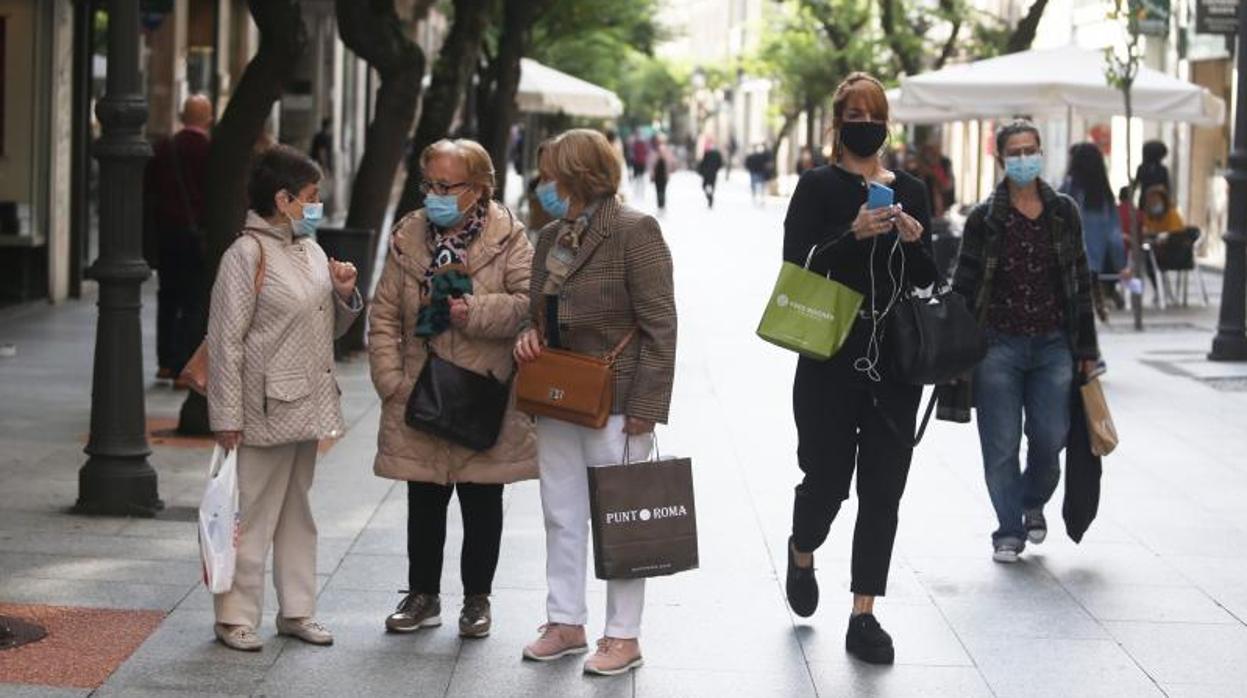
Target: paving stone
<point>1150,603</point>
<point>1060,667</point>
<point>100,569</point>
<point>165,674</point>
<point>655,682</point>
<point>520,678</point>
<point>1002,618</point>
<point>332,671</point>
<point>859,679</point>
<point>1186,652</point>
<point>922,636</point>
<point>13,690</point>
<point>91,593</point>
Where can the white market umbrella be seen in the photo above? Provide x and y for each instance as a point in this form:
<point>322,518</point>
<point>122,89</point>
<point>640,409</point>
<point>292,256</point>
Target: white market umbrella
<point>544,90</point>
<point>1046,82</point>
<point>917,115</point>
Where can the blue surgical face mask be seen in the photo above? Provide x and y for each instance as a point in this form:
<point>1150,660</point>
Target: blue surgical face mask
<point>1023,169</point>
<point>313,214</point>
<point>443,210</point>
<point>548,196</point>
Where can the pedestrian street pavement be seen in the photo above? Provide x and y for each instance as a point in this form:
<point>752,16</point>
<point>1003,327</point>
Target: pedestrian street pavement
<point>1153,602</point>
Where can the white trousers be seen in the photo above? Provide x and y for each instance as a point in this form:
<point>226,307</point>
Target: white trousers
<point>273,486</point>
<point>565,452</point>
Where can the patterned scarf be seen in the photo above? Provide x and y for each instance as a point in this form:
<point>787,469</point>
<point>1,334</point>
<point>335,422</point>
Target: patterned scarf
<point>447,276</point>
<point>565,248</point>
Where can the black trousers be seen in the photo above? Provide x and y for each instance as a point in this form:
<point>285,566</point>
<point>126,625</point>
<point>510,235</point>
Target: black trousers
<point>481,506</point>
<point>660,187</point>
<point>708,185</point>
<point>841,429</point>
<point>180,315</point>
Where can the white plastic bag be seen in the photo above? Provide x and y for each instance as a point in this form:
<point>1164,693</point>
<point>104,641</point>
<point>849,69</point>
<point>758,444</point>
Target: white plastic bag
<point>219,521</point>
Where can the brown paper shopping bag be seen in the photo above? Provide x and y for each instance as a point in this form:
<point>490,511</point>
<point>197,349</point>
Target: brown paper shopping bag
<point>1099,420</point>
<point>643,518</point>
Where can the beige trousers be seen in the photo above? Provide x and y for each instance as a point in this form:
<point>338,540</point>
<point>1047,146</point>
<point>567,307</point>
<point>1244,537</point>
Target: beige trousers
<point>273,487</point>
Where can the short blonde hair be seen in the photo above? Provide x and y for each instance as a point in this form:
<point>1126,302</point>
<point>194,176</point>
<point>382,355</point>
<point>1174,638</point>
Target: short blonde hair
<point>479,165</point>
<point>584,163</point>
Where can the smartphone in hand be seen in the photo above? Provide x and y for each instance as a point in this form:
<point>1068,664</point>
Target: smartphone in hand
<point>879,196</point>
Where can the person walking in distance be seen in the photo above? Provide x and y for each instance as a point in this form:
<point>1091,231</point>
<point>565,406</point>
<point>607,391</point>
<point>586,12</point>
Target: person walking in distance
<point>756,163</point>
<point>660,166</point>
<point>708,168</point>
<point>277,305</point>
<point>1023,272</point>
<point>174,190</point>
<point>640,165</point>
<point>465,241</point>
<point>602,279</point>
<point>851,415</point>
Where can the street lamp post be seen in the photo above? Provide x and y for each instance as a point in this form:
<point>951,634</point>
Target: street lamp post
<point>117,479</point>
<point>1230,344</point>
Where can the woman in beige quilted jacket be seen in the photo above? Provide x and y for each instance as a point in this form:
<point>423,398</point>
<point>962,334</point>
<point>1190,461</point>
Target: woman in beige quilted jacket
<point>277,305</point>
<point>456,283</point>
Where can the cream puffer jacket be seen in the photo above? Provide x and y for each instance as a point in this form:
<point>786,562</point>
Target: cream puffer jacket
<point>270,356</point>
<point>500,263</point>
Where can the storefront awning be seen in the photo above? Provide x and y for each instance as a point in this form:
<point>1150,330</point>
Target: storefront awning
<point>544,90</point>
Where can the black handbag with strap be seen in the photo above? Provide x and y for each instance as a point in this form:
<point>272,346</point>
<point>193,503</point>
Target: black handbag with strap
<point>459,405</point>
<point>933,340</point>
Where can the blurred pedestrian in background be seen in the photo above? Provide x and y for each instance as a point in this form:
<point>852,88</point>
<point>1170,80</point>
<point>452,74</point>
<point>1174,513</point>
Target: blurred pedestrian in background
<point>708,168</point>
<point>1152,171</point>
<point>758,165</point>
<point>1086,181</point>
<point>321,151</point>
<point>466,241</point>
<point>1166,238</point>
<point>805,161</point>
<point>601,273</point>
<point>1023,269</point>
<point>661,162</point>
<point>277,305</point>
<point>174,191</point>
<point>852,416</point>
<point>938,174</point>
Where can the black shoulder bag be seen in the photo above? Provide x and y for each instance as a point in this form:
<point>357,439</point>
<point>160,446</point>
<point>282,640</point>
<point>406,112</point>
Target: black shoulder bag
<point>455,403</point>
<point>933,340</point>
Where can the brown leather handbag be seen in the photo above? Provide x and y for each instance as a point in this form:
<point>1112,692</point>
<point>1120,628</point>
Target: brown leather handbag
<point>571,387</point>
<point>195,372</point>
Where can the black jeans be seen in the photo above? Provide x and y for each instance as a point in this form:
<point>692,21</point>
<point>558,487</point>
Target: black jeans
<point>180,313</point>
<point>481,506</point>
<point>840,429</point>
<point>660,188</point>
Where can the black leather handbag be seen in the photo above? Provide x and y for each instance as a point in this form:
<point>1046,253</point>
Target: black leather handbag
<point>461,406</point>
<point>933,340</point>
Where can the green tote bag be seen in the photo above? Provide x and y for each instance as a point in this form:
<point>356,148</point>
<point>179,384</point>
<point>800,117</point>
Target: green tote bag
<point>808,313</point>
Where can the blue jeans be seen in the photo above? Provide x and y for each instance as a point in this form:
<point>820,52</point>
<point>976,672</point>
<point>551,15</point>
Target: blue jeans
<point>1031,377</point>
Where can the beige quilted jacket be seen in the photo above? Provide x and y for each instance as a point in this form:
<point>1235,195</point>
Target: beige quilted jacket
<point>500,262</point>
<point>270,357</point>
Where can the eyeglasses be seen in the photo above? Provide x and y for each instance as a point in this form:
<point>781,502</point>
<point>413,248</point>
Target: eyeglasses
<point>442,188</point>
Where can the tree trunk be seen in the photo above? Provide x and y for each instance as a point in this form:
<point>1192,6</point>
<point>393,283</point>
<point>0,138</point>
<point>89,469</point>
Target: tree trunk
<point>497,113</point>
<point>789,120</point>
<point>811,125</point>
<point>451,75</point>
<point>282,41</point>
<point>1024,34</point>
<point>373,31</point>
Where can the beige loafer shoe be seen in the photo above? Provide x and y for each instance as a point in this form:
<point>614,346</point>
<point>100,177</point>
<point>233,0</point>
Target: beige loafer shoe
<point>305,629</point>
<point>238,637</point>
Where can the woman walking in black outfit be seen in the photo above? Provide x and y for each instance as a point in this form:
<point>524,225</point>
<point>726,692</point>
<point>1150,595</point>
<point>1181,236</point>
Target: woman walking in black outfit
<point>849,413</point>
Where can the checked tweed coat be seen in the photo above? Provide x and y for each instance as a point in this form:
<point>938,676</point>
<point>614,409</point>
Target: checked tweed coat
<point>621,279</point>
<point>270,356</point>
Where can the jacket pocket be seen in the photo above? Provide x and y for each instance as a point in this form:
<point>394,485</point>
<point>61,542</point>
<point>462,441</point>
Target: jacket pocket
<point>287,387</point>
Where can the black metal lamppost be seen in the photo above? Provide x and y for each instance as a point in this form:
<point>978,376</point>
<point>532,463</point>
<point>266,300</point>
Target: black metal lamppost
<point>1230,344</point>
<point>117,479</point>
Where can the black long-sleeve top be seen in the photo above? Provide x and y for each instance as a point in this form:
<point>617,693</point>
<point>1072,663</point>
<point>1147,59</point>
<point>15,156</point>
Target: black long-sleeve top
<point>823,209</point>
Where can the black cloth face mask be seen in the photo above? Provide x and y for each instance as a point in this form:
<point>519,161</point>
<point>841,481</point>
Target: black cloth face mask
<point>863,138</point>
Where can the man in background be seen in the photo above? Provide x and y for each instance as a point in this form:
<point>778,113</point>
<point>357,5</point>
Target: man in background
<point>174,199</point>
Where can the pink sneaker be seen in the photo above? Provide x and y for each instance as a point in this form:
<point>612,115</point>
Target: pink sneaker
<point>614,656</point>
<point>557,640</point>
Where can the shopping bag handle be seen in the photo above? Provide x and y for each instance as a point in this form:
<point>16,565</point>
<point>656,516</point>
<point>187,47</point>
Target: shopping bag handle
<point>627,454</point>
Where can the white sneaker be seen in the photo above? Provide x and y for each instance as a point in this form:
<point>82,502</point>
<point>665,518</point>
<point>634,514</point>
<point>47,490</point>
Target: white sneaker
<point>1036,526</point>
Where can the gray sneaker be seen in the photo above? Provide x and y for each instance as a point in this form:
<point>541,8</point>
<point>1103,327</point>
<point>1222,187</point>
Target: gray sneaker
<point>475,620</point>
<point>1007,551</point>
<point>415,611</point>
<point>1036,526</point>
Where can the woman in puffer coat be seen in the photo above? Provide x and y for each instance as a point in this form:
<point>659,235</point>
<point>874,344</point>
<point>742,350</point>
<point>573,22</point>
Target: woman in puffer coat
<point>456,283</point>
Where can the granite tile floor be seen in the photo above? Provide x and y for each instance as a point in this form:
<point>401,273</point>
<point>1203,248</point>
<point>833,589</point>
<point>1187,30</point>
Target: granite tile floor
<point>1153,602</point>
